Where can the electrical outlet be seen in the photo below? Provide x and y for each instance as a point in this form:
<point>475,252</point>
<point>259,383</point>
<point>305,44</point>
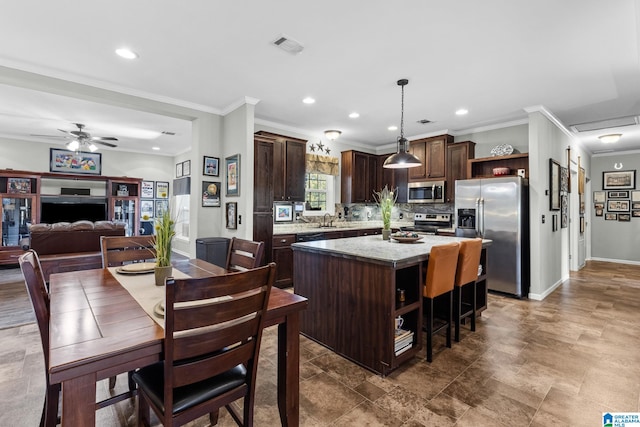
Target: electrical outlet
<point>543,219</point>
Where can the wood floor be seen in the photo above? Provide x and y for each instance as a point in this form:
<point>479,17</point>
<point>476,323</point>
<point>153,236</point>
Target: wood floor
<point>562,361</point>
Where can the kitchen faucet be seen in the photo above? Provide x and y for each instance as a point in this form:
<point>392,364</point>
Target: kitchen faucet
<point>324,220</point>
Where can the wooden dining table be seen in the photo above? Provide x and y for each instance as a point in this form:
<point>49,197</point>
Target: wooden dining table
<point>98,330</point>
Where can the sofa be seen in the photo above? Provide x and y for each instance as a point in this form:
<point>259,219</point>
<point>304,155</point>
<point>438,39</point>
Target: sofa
<point>65,246</point>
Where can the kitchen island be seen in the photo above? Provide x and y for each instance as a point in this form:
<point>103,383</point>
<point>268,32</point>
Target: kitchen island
<point>351,285</point>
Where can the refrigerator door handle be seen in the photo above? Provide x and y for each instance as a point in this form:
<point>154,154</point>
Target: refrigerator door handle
<point>477,217</point>
<point>482,216</point>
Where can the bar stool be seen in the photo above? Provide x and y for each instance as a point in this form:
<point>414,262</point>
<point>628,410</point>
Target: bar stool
<point>466,275</point>
<point>441,275</point>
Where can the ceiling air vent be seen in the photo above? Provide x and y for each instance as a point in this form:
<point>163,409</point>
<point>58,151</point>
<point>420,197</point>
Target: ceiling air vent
<point>288,44</point>
<point>606,124</point>
<point>424,121</point>
<point>166,132</point>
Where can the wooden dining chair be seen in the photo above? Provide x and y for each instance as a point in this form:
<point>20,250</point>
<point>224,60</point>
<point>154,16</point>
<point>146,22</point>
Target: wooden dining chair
<point>39,295</point>
<point>213,329</point>
<point>244,254</point>
<point>119,250</point>
<point>441,275</point>
<point>466,276</point>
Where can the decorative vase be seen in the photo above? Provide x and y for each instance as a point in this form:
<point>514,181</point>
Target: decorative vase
<point>161,274</point>
<point>386,234</point>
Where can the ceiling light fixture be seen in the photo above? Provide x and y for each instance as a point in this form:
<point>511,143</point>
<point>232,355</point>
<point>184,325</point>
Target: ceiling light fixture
<point>392,128</point>
<point>126,53</point>
<point>402,159</point>
<point>73,145</point>
<point>309,100</point>
<point>332,135</point>
<point>462,112</point>
<point>354,115</point>
<point>610,138</point>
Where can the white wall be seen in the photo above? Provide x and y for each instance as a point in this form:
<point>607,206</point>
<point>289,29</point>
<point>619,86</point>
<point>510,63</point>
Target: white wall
<point>517,136</point>
<point>549,250</point>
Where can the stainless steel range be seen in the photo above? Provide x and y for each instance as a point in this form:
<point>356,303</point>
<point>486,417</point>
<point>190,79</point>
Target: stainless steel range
<point>429,223</point>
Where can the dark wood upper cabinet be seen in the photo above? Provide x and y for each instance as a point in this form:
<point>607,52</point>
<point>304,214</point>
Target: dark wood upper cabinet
<point>432,152</point>
<point>288,169</point>
<point>393,178</point>
<point>457,156</point>
<point>263,175</point>
<point>359,177</point>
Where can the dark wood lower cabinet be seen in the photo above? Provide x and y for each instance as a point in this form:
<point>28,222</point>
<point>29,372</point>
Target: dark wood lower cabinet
<point>283,257</point>
<point>352,307</point>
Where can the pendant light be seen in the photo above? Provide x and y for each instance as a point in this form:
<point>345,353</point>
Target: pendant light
<point>402,159</point>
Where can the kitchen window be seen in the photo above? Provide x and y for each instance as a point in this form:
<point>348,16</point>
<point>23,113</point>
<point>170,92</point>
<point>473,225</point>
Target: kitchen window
<point>318,193</point>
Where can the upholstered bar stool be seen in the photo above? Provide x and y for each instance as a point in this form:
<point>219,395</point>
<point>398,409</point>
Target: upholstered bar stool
<point>441,275</point>
<point>466,275</point>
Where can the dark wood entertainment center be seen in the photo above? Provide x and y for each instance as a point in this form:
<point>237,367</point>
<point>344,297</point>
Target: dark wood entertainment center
<point>22,194</point>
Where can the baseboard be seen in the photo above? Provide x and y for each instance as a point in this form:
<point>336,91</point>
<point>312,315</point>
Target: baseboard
<point>546,293</point>
<point>618,261</point>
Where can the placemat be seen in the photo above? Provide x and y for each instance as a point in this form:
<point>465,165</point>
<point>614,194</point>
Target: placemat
<point>143,289</point>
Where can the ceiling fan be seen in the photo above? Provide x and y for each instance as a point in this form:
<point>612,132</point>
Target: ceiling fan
<point>83,140</point>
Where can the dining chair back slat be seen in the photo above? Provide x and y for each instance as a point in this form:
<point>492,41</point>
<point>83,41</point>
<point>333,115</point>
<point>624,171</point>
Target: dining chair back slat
<point>117,250</point>
<point>244,254</point>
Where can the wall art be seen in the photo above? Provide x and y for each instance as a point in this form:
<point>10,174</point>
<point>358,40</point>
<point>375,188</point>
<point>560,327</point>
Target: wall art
<point>210,166</point>
<point>619,180</point>
<point>210,194</point>
<point>233,175</point>
<point>65,161</point>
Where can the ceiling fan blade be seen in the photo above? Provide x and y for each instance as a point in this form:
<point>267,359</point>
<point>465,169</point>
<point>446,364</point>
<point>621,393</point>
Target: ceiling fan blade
<point>66,131</point>
<point>108,144</point>
<point>48,136</point>
<point>103,138</point>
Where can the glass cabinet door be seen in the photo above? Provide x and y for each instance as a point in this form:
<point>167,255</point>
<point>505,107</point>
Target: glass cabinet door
<point>125,211</point>
<point>17,215</point>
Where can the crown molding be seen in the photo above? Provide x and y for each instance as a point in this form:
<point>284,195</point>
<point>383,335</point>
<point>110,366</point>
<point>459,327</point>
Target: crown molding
<point>245,100</point>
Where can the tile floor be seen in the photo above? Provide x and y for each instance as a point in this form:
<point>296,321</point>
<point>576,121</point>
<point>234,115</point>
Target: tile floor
<point>561,361</point>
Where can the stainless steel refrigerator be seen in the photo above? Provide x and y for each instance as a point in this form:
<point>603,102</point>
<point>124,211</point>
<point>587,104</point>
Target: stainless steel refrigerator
<point>498,209</point>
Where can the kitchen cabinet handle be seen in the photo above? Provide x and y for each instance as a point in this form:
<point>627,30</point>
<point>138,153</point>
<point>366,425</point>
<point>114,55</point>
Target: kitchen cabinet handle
<point>283,241</point>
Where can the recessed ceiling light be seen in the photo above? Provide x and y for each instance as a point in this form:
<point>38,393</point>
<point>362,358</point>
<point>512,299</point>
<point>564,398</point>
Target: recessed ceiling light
<point>309,100</point>
<point>155,148</point>
<point>126,53</point>
<point>354,115</point>
<point>393,128</point>
<point>462,112</point>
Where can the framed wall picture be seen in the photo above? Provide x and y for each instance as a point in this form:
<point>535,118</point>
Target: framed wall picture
<point>635,205</point>
<point>146,210</point>
<point>621,180</point>
<point>65,161</point>
<point>554,222</point>
<point>146,190</point>
<point>18,185</point>
<point>610,217</point>
<point>283,212</point>
<point>232,215</point>
<point>233,175</point>
<point>210,194</point>
<point>554,185</point>
<point>581,180</point>
<point>599,211</point>
<point>162,190</point>
<point>635,196</point>
<point>581,224</point>
<point>178,170</point>
<point>635,214</point>
<point>624,217</point>
<point>618,206</point>
<point>186,168</point>
<point>210,166</point>
<point>564,180</point>
<point>564,211</point>
<point>618,194</point>
<point>598,205</point>
<point>599,196</point>
<point>161,207</point>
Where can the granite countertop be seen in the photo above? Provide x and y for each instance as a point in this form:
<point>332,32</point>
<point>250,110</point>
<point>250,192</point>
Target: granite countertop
<point>337,226</point>
<point>374,249</point>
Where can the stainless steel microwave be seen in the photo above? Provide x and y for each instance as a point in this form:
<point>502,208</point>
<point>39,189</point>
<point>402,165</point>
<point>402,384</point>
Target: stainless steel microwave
<point>426,192</point>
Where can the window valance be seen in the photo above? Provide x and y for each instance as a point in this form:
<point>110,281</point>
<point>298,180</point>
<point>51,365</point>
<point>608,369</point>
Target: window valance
<point>316,163</point>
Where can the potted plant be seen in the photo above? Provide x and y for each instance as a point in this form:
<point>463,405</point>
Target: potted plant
<point>386,199</point>
<point>164,232</point>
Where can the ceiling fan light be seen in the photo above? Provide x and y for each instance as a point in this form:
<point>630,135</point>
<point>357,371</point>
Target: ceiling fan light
<point>332,135</point>
<point>126,53</point>
<point>73,145</point>
<point>93,147</point>
<point>610,138</point>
